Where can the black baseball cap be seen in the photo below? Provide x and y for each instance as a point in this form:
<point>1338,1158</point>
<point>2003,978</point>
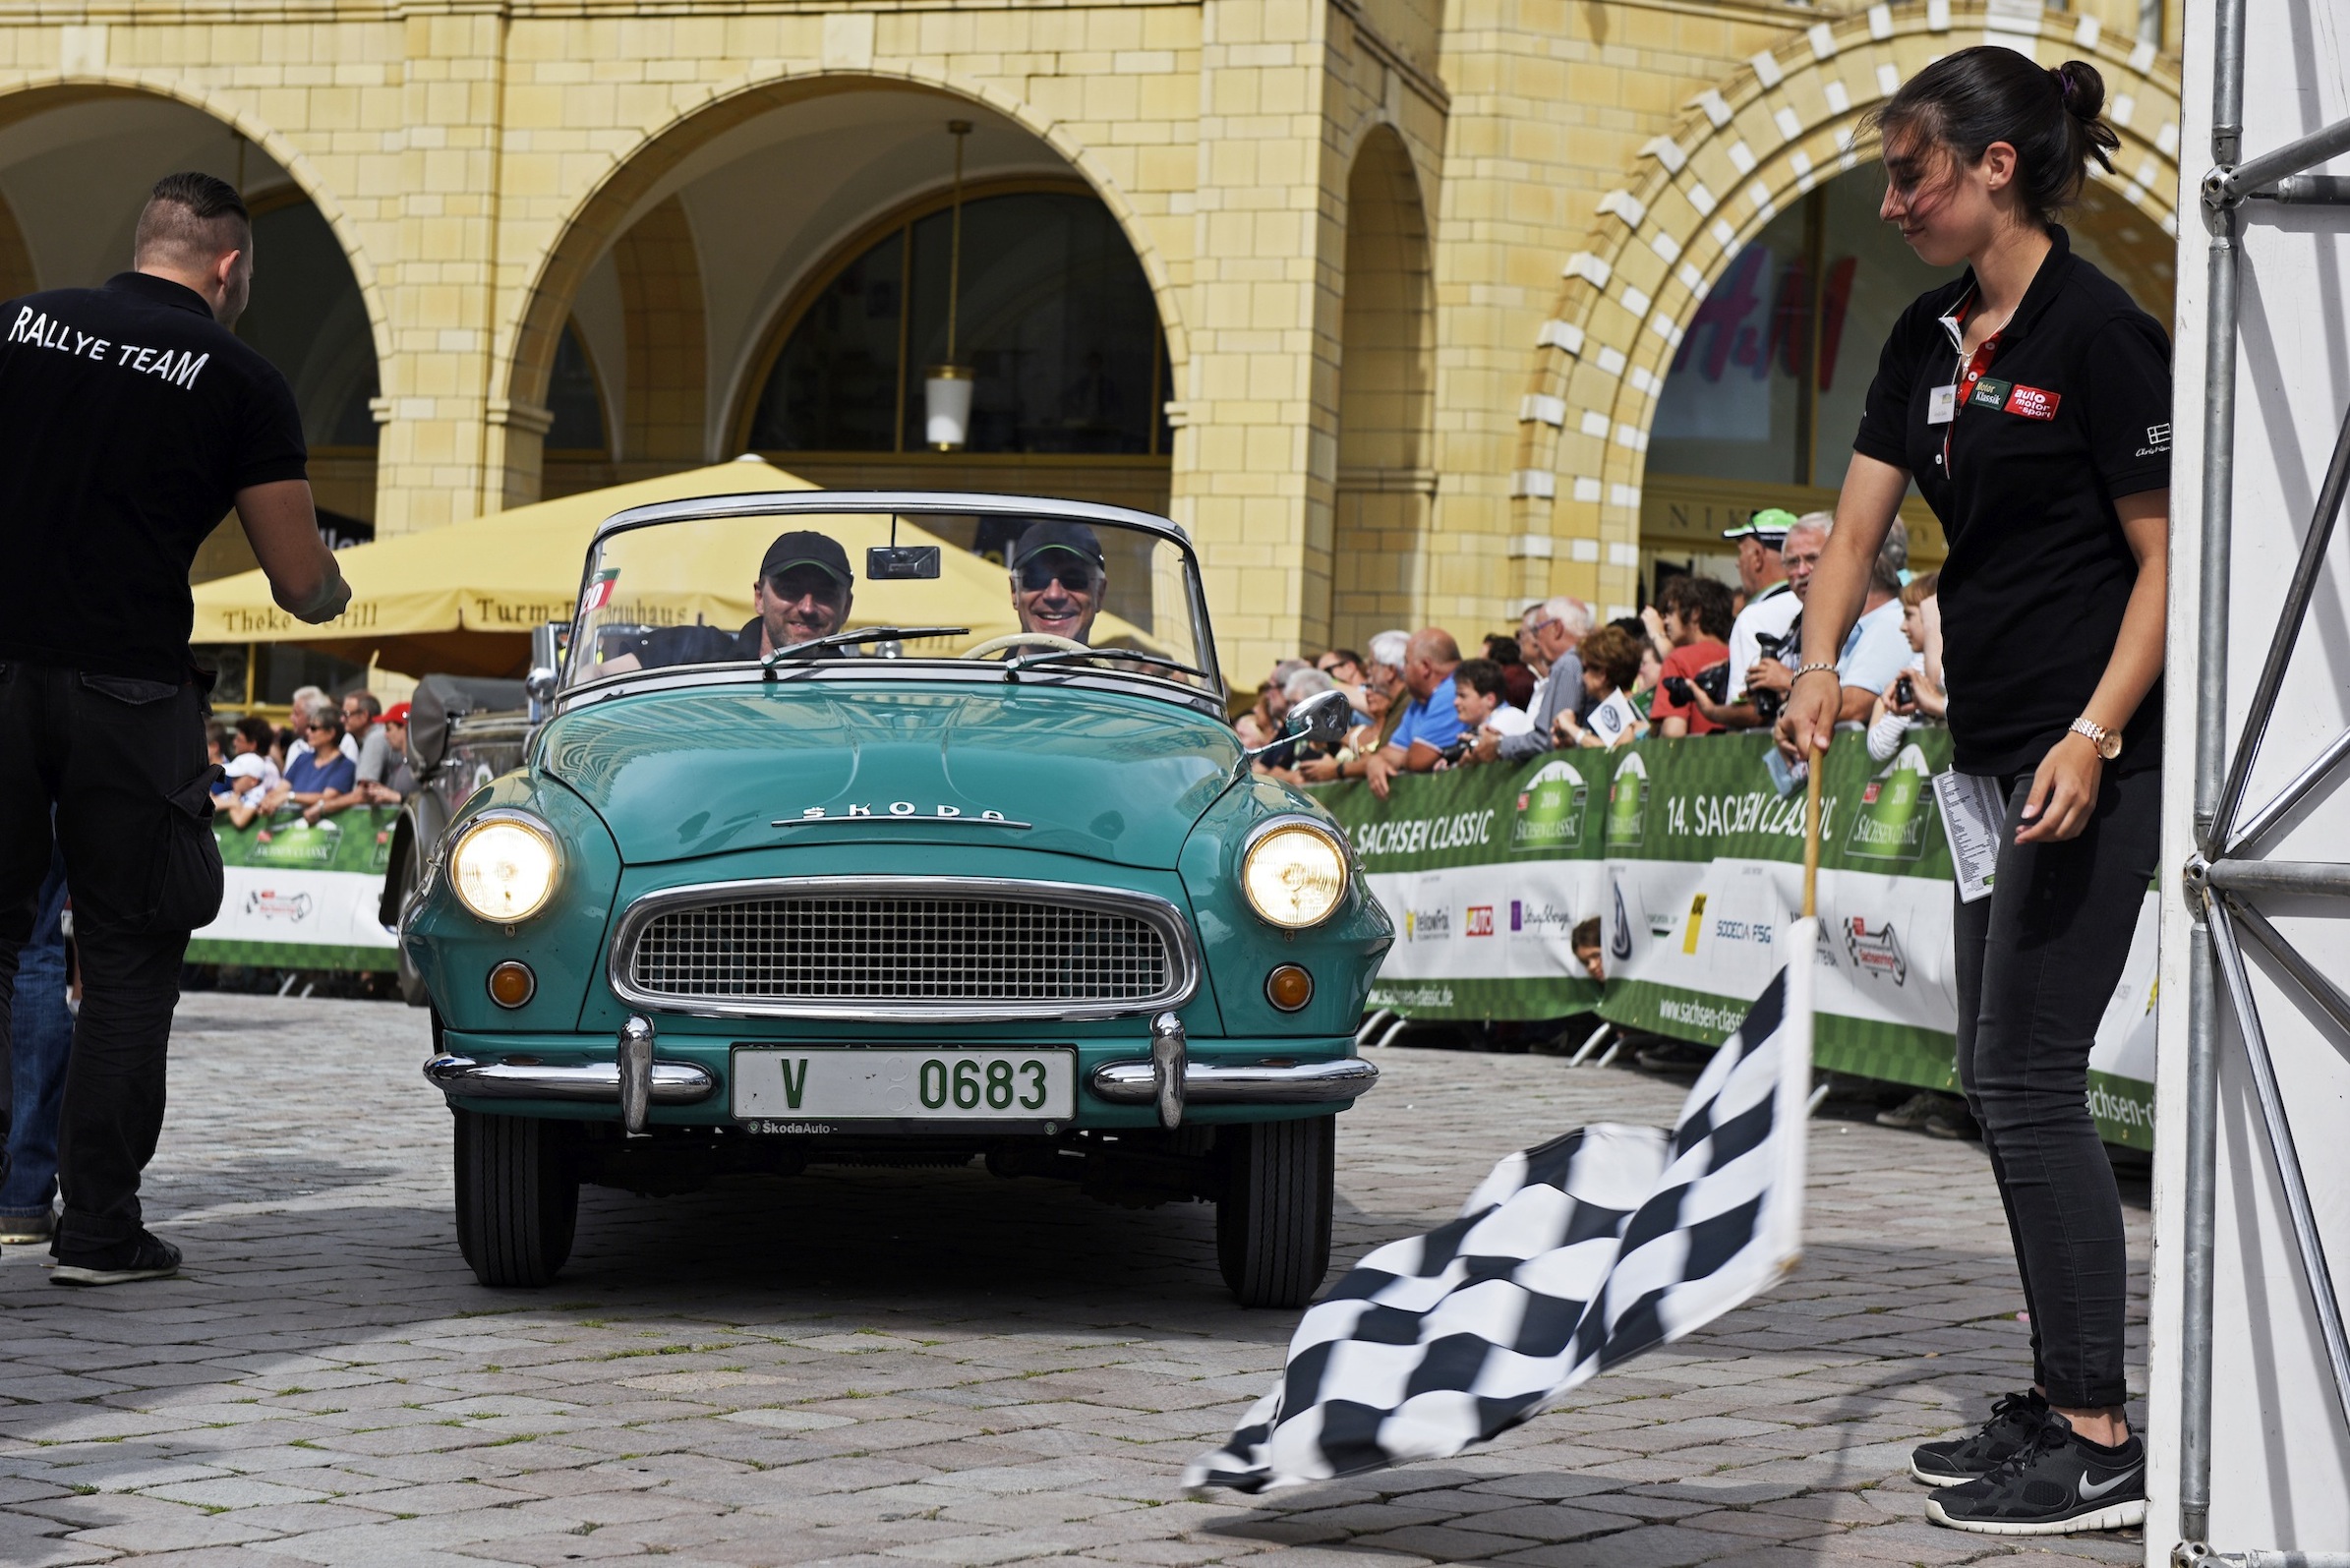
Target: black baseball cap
<point>806,547</point>
<point>1051,533</point>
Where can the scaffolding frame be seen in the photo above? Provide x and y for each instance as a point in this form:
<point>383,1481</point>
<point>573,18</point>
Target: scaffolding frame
<point>2227,872</point>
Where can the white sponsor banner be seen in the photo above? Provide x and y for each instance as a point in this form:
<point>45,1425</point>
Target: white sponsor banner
<point>318,908</point>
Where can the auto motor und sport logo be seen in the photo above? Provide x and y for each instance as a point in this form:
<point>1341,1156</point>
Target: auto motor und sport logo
<point>1875,954</point>
<point>1479,922</point>
<point>1551,810</point>
<point>1897,807</point>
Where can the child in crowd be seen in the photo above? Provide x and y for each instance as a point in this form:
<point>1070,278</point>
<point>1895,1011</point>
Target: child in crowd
<point>1481,700</point>
<point>1915,696</point>
<point>251,774</point>
<point>1610,665</point>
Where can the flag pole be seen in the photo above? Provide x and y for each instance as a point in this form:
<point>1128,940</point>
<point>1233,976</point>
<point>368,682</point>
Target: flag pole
<point>1811,834</point>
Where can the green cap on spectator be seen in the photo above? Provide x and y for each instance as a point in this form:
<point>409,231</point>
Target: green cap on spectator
<point>1770,525</point>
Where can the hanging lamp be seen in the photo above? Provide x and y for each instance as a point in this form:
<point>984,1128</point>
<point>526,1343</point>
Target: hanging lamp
<point>947,387</point>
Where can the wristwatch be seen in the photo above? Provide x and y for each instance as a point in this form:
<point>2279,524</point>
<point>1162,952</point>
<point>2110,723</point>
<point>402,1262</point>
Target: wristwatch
<point>2108,745</point>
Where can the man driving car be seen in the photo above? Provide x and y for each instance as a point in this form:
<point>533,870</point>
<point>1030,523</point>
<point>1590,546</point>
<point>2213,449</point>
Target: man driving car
<point>1058,578</point>
<point>803,593</point>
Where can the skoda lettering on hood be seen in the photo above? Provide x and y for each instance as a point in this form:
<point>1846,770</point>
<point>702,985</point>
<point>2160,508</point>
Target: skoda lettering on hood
<point>885,828</point>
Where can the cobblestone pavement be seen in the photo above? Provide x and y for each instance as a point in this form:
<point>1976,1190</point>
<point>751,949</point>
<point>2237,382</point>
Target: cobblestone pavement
<point>884,1367</point>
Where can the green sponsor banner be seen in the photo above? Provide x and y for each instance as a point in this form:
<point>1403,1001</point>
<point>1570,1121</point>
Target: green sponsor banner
<point>1653,884</point>
<point>301,896</point>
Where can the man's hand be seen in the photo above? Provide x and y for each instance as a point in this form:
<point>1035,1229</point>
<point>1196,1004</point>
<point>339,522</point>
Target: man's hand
<point>1769,675</point>
<point>1317,770</point>
<point>1488,748</point>
<point>281,522</point>
<point>1808,720</point>
<point>2064,791</point>
<point>1376,771</point>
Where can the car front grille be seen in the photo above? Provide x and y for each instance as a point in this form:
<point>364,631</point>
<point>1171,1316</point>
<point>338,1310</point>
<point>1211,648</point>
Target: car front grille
<point>927,948</point>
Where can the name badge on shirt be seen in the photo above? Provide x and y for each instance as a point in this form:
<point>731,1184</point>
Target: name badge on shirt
<point>1942,405</point>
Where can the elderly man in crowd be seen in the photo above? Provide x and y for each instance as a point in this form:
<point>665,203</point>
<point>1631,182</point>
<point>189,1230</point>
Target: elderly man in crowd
<point>1431,723</point>
<point>1553,630</point>
<point>1876,651</point>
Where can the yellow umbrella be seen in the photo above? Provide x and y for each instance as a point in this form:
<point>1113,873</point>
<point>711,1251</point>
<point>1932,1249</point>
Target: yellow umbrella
<point>463,600</point>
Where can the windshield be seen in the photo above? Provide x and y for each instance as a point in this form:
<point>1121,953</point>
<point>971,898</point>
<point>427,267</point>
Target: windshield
<point>1042,592</point>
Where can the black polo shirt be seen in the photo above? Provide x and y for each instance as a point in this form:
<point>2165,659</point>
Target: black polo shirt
<point>128,420</point>
<point>2071,412</point>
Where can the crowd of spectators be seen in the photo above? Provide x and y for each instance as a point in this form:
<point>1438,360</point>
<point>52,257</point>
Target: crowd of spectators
<point>1701,659</point>
<point>326,759</point>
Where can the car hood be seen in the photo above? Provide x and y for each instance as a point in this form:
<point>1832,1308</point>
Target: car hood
<point>699,772</point>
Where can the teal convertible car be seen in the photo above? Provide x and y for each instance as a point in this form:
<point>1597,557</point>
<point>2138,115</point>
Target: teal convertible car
<point>886,828</point>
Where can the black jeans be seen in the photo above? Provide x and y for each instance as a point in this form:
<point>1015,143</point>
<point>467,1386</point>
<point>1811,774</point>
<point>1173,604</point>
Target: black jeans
<point>2037,961</point>
<point>123,764</point>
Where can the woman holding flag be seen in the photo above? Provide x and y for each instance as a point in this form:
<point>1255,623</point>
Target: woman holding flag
<point>2030,401</point>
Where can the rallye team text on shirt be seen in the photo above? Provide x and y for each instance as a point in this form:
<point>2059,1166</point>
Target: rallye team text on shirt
<point>98,552</point>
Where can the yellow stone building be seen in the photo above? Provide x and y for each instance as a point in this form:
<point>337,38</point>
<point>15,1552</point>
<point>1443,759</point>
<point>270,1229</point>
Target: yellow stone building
<point>1412,310</point>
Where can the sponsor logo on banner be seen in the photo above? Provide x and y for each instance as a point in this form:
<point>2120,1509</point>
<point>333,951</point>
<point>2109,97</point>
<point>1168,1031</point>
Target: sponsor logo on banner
<point>1897,810</point>
<point>296,844</point>
<point>1551,810</point>
<point>1428,925</point>
<point>1541,920</point>
<point>1481,920</point>
<point>1627,803</point>
<point>1875,954</point>
<point>1695,927</point>
<point>1621,946</point>
<point>271,904</point>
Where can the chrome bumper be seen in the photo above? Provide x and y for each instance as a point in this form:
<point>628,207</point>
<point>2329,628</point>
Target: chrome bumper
<point>598,1082</point>
<point>1209,1083</point>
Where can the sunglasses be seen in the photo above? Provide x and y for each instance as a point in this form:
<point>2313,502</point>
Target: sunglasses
<point>1038,575</point>
<point>824,590</point>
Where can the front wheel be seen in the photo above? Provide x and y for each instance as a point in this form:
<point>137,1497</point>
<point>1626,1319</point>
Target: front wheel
<point>1273,1225</point>
<point>517,1198</point>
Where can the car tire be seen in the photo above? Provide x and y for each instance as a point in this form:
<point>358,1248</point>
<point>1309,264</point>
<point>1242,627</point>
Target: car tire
<point>517,1198</point>
<point>412,984</point>
<point>1273,1225</point>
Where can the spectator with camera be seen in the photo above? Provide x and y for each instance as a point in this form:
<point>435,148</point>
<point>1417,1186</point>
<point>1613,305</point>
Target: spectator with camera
<point>1762,628</point>
<point>1694,613</point>
<point>1481,700</point>
<point>1916,696</point>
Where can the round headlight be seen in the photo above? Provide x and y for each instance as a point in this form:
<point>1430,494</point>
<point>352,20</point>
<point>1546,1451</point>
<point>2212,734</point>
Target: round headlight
<point>1294,875</point>
<point>504,868</point>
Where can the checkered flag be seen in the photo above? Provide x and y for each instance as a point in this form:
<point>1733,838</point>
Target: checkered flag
<point>1573,1256</point>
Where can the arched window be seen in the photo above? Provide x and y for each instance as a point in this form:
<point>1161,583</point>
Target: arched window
<point>1056,320</point>
<point>575,400</point>
<point>306,318</point>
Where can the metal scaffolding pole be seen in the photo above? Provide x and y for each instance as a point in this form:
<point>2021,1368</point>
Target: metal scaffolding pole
<point>2225,873</point>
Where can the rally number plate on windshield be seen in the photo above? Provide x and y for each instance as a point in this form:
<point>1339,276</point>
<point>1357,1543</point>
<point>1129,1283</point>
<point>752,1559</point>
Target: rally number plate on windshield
<point>857,1083</point>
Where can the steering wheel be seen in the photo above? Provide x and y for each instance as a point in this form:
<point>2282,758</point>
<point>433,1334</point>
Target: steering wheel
<point>1026,639</point>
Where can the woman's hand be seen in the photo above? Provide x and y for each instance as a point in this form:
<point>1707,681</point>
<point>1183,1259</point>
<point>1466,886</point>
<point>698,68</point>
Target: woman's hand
<point>2064,790</point>
<point>1808,720</point>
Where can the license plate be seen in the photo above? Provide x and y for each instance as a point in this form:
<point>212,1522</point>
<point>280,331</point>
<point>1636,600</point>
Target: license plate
<point>858,1083</point>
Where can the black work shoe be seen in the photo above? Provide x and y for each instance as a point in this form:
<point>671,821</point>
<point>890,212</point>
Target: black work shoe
<point>144,1257</point>
<point>2014,1419</point>
<point>2056,1484</point>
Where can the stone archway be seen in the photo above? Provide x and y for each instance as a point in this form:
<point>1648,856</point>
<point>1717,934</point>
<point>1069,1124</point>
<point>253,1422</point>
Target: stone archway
<point>527,335</point>
<point>1742,151</point>
<point>1374,564</point>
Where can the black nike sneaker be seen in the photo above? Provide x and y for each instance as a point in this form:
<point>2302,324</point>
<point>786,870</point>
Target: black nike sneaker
<point>1950,1463</point>
<point>143,1256</point>
<point>2059,1483</point>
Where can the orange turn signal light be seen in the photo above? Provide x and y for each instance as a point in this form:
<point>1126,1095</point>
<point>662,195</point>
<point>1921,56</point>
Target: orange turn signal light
<point>511,983</point>
<point>1290,988</point>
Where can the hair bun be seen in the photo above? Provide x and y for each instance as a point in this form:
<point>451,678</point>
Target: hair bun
<point>2081,86</point>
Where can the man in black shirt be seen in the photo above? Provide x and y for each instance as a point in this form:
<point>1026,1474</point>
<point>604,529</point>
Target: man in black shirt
<point>130,421</point>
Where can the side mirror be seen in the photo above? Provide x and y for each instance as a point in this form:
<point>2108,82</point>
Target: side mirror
<point>1323,719</point>
<point>538,684</point>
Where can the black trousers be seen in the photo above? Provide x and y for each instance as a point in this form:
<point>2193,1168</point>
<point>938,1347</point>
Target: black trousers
<point>2038,964</point>
<point>123,764</point>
